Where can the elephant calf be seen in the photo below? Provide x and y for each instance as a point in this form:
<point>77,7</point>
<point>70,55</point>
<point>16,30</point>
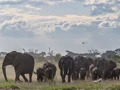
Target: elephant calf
<point>83,73</point>
<point>40,74</point>
<point>116,73</point>
<point>50,70</point>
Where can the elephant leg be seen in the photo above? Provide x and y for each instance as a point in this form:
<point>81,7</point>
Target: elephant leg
<point>117,77</point>
<point>63,78</point>
<point>30,77</point>
<point>87,74</point>
<point>69,75</point>
<point>17,76</point>
<point>26,80</point>
<point>38,79</point>
<point>77,75</point>
<point>69,78</point>
<point>19,80</point>
<point>61,73</point>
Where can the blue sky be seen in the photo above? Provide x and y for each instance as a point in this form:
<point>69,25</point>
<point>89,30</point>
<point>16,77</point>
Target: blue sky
<point>59,24</point>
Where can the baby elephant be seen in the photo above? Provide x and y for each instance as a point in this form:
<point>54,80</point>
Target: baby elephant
<point>116,73</point>
<point>40,74</point>
<point>48,72</point>
<point>82,73</point>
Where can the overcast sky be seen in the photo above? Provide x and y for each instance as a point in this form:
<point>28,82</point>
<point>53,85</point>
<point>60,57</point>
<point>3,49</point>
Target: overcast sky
<point>59,24</point>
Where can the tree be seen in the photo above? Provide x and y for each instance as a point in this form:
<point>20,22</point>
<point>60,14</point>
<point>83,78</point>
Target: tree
<point>108,54</point>
<point>57,57</point>
<point>42,54</point>
<point>117,51</point>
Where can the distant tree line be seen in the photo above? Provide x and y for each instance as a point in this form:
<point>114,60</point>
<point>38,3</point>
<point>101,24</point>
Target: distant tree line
<point>39,56</point>
<point>50,56</point>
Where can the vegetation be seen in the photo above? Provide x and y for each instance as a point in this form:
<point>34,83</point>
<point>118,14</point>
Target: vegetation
<point>81,85</point>
<point>115,58</point>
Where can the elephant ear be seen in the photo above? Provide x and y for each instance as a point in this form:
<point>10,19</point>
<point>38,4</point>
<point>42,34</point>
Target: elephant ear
<point>16,60</point>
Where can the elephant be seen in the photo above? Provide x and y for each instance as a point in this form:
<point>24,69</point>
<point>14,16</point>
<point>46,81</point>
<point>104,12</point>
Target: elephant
<point>96,74</point>
<point>82,73</point>
<point>66,65</point>
<point>50,70</point>
<point>23,63</point>
<point>40,74</point>
<point>84,63</point>
<point>105,66</point>
<point>49,73</point>
<point>76,72</point>
<point>116,73</point>
<point>112,65</point>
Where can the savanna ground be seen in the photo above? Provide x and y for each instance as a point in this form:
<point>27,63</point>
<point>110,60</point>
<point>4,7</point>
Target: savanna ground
<point>56,84</point>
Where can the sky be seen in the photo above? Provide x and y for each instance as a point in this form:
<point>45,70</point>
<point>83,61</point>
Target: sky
<point>59,24</point>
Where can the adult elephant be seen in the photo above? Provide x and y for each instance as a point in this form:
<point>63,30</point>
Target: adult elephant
<point>66,65</point>
<point>105,67</point>
<point>50,70</point>
<point>76,72</point>
<point>84,63</point>
<point>23,64</point>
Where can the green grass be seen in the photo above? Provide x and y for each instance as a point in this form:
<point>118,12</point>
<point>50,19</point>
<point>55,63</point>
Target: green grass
<point>79,85</point>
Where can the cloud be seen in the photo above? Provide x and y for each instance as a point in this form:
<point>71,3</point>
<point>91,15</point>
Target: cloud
<point>32,7</point>
<point>15,28</point>
<point>40,25</point>
<point>33,2</point>
<point>109,24</point>
<point>103,6</point>
<point>37,24</point>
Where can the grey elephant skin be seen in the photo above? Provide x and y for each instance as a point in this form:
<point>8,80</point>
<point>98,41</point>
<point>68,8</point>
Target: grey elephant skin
<point>84,62</point>
<point>75,75</point>
<point>50,70</point>
<point>23,63</point>
<point>47,72</point>
<point>82,73</point>
<point>116,73</point>
<point>66,65</point>
<point>40,72</point>
<point>105,66</point>
<point>96,73</point>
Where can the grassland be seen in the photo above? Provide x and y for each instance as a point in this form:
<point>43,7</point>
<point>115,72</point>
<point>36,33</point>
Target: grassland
<point>56,84</point>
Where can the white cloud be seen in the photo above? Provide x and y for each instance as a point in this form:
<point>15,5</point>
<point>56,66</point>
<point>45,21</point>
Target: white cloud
<point>40,25</point>
<point>31,7</point>
<point>103,6</point>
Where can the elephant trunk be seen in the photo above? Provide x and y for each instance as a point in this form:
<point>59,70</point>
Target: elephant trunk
<point>4,72</point>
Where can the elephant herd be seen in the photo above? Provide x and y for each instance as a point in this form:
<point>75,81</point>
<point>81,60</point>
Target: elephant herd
<point>75,68</point>
<point>87,68</point>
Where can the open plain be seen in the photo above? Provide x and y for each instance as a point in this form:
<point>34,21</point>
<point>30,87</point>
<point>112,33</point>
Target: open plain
<point>56,84</point>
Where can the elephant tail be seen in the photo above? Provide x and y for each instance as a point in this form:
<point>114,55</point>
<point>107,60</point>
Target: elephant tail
<point>35,72</point>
